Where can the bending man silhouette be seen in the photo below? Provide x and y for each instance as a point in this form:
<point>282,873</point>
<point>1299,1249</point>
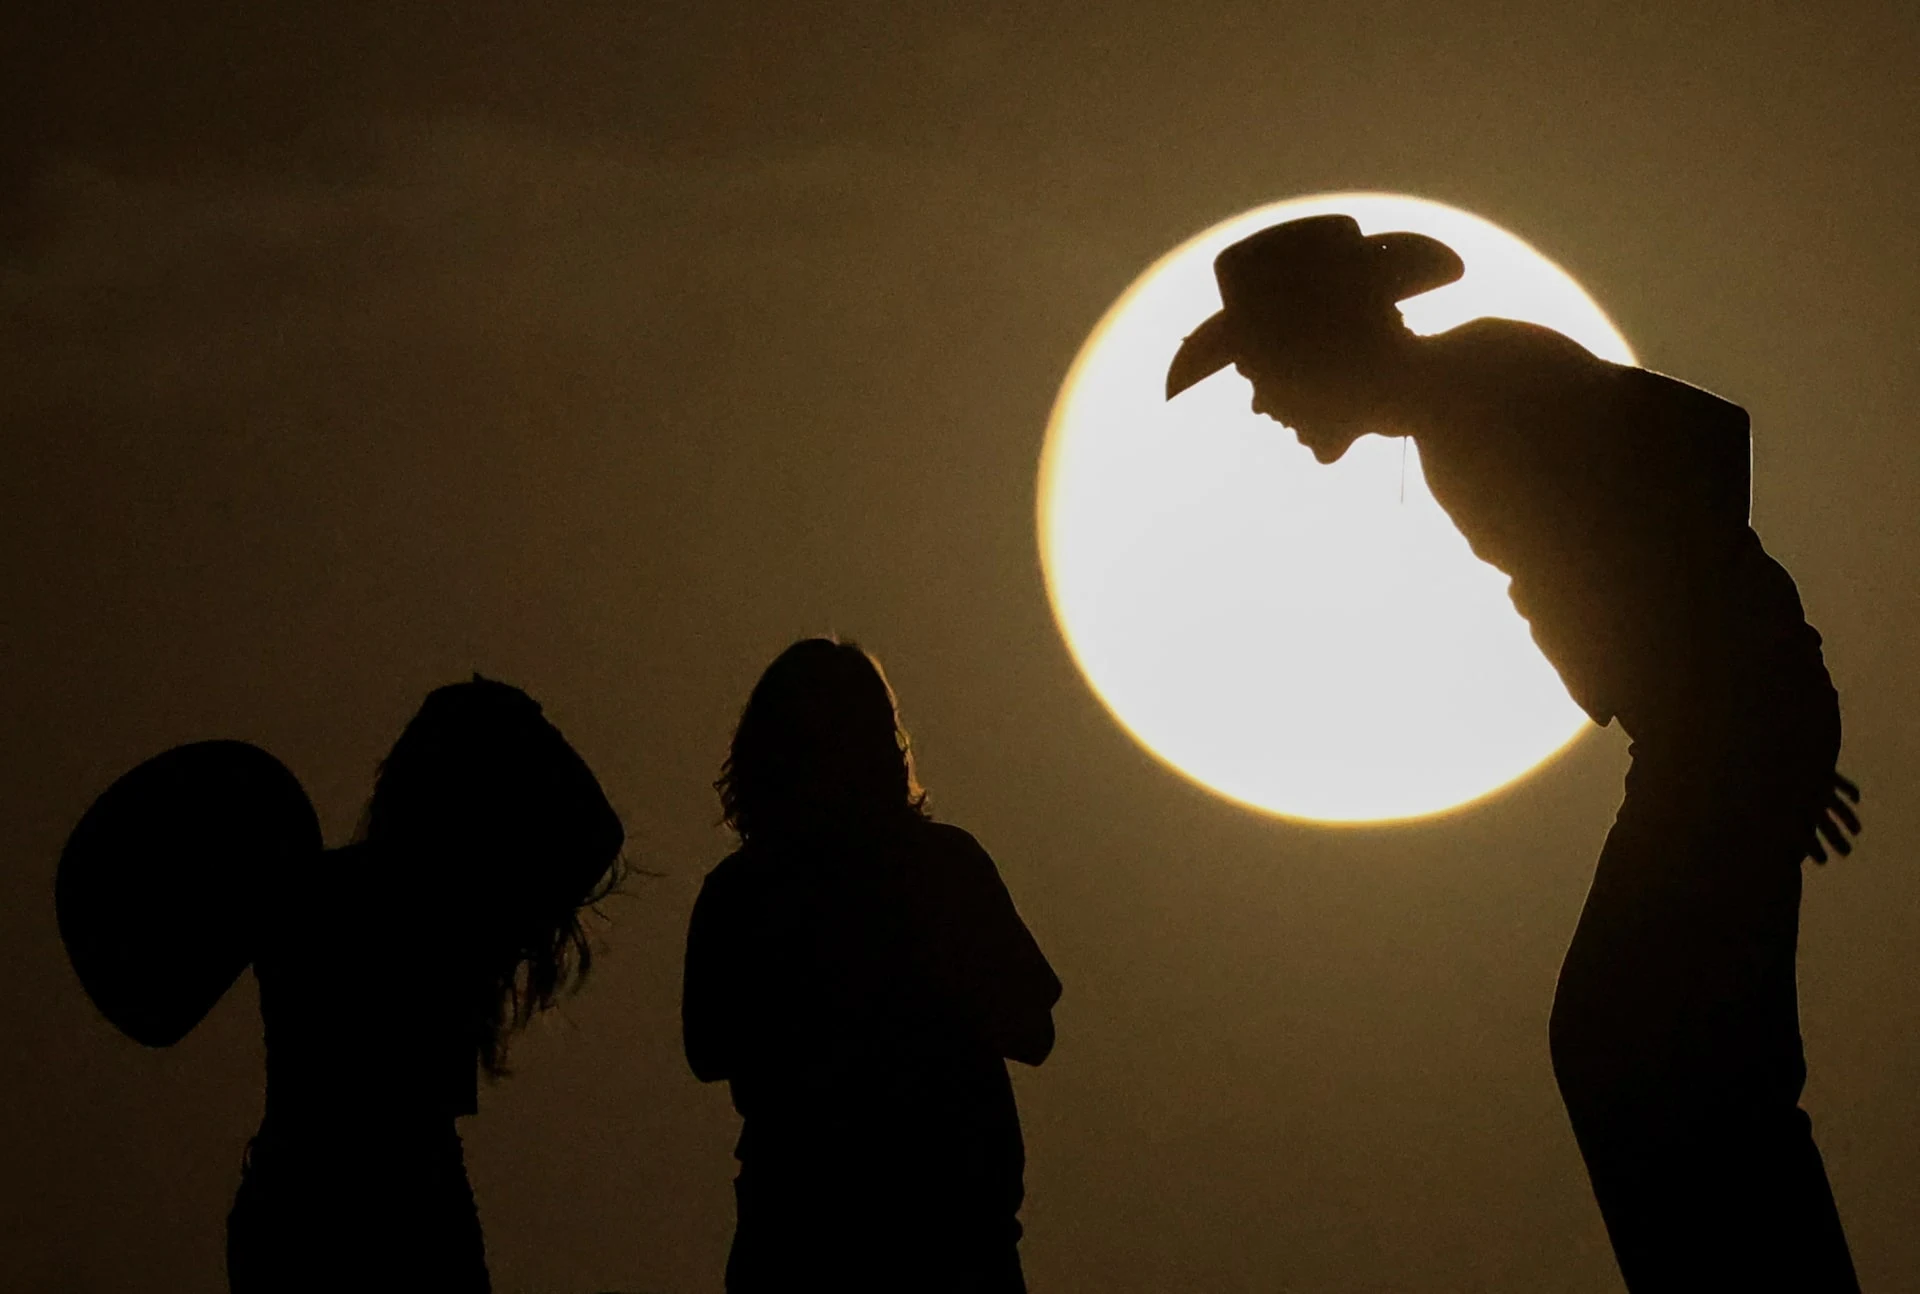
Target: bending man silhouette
<point>1616,500</point>
<point>858,974</point>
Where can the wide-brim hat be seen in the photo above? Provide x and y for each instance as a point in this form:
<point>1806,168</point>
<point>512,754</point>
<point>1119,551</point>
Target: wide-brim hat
<point>162,887</point>
<point>1302,271</point>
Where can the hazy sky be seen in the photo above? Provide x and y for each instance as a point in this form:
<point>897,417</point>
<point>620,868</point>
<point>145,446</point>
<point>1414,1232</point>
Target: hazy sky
<point>607,348</point>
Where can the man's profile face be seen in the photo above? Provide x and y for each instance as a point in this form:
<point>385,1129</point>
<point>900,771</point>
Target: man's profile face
<point>1328,406</point>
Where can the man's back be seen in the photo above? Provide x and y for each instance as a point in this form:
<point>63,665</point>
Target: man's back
<point>1616,499</point>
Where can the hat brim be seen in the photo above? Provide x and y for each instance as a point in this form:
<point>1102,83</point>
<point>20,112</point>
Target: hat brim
<point>1207,349</point>
<point>1414,263</point>
<point>161,887</point>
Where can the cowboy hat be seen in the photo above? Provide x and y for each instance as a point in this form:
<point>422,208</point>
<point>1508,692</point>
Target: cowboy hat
<point>1294,272</point>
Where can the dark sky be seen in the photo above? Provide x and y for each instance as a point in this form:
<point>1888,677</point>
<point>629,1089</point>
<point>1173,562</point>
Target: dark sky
<point>608,348</point>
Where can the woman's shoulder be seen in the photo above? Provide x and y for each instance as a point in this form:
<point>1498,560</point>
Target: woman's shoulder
<point>946,838</point>
<point>952,853</point>
<point>940,846</point>
<point>751,875</point>
<point>736,869</point>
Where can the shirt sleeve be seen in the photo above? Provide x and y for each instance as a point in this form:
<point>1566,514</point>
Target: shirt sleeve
<point>1694,453</point>
<point>987,959</point>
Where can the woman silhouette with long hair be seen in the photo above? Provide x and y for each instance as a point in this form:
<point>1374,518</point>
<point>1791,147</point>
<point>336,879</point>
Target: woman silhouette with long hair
<point>858,974</point>
<point>391,971</point>
<point>399,974</point>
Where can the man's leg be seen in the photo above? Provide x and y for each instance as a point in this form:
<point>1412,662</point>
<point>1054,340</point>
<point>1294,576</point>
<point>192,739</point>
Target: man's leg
<point>1675,1038</point>
<point>1739,1203</point>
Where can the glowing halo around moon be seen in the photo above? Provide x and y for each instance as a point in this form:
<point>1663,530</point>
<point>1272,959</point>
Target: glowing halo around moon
<point>1298,638</point>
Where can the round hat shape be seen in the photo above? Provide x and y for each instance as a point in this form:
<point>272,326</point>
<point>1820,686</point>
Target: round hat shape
<point>162,885</point>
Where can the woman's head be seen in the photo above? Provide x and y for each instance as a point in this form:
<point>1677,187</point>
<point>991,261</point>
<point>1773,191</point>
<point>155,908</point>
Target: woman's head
<point>483,806</point>
<point>819,746</point>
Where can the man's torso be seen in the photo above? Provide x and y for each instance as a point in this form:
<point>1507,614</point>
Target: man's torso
<point>1616,500</point>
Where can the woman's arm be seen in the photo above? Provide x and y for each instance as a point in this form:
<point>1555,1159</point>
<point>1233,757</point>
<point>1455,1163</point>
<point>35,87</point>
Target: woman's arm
<point>994,969</point>
<point>708,995</point>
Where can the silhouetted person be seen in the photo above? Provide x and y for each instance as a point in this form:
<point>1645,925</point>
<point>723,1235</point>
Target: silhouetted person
<point>1616,499</point>
<point>391,971</point>
<point>858,974</point>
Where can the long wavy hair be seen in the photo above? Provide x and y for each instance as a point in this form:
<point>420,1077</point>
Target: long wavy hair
<point>819,747</point>
<point>487,811</point>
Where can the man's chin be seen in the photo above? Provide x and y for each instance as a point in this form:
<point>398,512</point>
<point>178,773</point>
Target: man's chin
<point>1325,455</point>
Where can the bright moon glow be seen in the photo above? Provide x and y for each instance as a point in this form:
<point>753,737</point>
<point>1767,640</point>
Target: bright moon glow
<point>1295,637</point>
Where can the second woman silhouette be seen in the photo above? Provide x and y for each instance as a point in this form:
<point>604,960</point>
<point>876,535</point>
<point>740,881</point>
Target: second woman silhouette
<point>395,972</point>
<point>858,974</point>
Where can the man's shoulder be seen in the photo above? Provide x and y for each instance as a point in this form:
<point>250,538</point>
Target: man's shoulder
<point>1510,356</point>
<point>1694,403</point>
<point>1503,344</point>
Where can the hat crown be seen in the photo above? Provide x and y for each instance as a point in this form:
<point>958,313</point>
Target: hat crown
<point>1326,261</point>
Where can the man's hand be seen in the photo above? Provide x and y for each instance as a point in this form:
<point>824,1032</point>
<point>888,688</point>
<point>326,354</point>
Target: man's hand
<point>1837,821</point>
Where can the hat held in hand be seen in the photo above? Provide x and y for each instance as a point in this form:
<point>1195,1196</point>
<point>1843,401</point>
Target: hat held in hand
<point>163,886</point>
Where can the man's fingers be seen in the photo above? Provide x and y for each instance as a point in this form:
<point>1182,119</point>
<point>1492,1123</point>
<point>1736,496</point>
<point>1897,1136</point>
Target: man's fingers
<point>1846,787</point>
<point>1836,837</point>
<point>1846,815</point>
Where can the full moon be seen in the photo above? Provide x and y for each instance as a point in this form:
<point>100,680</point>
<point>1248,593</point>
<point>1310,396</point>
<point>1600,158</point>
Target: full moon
<point>1316,642</point>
